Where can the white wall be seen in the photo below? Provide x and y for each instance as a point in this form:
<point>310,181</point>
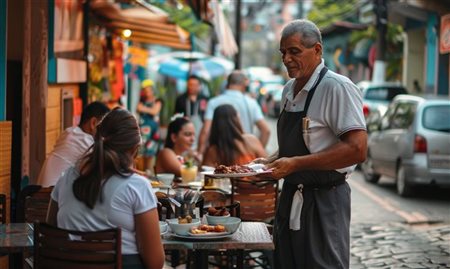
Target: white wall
<point>414,59</point>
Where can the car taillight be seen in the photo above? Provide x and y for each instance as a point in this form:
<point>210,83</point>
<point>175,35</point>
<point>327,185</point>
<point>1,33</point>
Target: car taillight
<point>366,110</point>
<point>420,144</point>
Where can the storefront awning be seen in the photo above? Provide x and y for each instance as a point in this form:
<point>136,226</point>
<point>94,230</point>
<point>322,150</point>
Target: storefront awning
<point>148,24</point>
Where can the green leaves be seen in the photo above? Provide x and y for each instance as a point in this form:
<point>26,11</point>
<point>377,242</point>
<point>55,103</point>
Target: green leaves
<point>325,12</point>
<point>184,17</point>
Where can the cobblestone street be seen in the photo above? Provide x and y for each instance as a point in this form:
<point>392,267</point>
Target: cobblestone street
<point>396,245</point>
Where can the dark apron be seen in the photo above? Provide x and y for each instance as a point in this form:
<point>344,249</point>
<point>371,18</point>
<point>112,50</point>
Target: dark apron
<point>323,239</point>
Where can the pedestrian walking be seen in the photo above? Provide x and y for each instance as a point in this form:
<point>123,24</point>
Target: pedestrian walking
<point>192,104</point>
<point>249,111</point>
<point>321,136</point>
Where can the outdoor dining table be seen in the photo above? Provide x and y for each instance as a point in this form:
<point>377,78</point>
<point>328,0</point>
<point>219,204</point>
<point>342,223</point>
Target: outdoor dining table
<point>16,238</point>
<point>249,236</point>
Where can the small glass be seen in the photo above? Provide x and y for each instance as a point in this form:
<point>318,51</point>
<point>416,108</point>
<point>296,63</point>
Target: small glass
<point>188,174</point>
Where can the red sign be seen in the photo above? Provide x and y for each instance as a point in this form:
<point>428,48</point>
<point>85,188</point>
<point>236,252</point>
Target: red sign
<point>444,46</point>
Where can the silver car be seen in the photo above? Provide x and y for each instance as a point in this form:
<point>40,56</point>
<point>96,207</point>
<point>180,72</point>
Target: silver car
<point>411,143</point>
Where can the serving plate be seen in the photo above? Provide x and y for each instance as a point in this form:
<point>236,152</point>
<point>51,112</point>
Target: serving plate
<point>206,236</point>
<point>260,169</point>
<point>250,174</point>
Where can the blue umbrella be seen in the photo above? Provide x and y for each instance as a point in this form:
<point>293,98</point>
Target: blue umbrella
<point>182,64</point>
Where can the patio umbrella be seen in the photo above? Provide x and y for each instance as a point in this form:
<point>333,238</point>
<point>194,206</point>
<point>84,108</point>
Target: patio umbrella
<point>181,64</point>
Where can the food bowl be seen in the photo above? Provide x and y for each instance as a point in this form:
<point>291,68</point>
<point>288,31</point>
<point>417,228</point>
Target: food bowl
<point>231,224</point>
<point>214,220</point>
<point>182,229</point>
<point>163,227</point>
<point>166,178</point>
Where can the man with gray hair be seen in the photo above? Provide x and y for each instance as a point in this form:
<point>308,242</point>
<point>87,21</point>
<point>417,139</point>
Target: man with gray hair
<point>248,109</point>
<point>321,137</point>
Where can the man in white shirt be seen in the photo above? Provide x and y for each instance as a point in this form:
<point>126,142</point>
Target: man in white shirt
<point>248,109</point>
<point>321,136</point>
<point>72,144</point>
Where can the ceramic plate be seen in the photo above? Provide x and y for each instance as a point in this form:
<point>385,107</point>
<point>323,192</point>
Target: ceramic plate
<point>207,236</point>
<point>256,173</point>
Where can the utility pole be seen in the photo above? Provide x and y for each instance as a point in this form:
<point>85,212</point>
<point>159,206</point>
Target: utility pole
<point>300,9</point>
<point>379,73</point>
<point>237,56</point>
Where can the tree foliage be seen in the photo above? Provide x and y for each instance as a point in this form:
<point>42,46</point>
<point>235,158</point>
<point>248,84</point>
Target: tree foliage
<point>184,17</point>
<point>324,12</point>
<point>394,48</point>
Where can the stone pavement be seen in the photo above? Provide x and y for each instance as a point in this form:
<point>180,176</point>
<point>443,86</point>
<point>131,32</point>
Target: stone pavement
<point>398,245</point>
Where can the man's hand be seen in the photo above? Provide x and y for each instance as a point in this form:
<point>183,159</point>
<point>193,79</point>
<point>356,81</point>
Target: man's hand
<point>260,160</point>
<point>281,167</point>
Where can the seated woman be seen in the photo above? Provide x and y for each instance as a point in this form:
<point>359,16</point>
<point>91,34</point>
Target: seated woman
<point>101,192</point>
<point>228,144</point>
<point>179,140</point>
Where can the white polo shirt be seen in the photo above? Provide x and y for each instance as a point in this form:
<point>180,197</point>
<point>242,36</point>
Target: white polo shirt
<point>335,109</point>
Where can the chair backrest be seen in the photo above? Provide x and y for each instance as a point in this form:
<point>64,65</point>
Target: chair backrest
<point>59,248</point>
<point>2,208</point>
<point>33,203</point>
<point>258,199</point>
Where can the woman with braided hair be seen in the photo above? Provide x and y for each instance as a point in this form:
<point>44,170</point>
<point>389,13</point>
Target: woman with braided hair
<point>102,191</point>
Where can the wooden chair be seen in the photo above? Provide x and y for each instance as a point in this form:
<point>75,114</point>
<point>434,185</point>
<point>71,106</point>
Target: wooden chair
<point>32,203</point>
<point>59,248</point>
<point>2,208</point>
<point>258,199</point>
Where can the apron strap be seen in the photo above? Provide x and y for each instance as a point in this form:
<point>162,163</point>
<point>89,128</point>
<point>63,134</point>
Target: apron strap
<point>311,92</point>
<point>313,89</point>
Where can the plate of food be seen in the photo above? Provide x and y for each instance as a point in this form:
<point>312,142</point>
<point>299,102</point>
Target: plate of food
<point>205,231</point>
<point>159,185</point>
<point>239,170</point>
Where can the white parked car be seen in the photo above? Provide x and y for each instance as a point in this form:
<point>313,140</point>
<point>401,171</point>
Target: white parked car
<point>411,143</point>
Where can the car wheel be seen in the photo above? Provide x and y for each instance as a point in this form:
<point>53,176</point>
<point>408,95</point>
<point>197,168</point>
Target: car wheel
<point>403,187</point>
<point>368,172</point>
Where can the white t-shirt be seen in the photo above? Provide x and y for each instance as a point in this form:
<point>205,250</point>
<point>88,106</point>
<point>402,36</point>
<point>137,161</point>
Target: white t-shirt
<point>123,198</point>
<point>248,109</point>
<point>70,146</point>
<point>335,109</point>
